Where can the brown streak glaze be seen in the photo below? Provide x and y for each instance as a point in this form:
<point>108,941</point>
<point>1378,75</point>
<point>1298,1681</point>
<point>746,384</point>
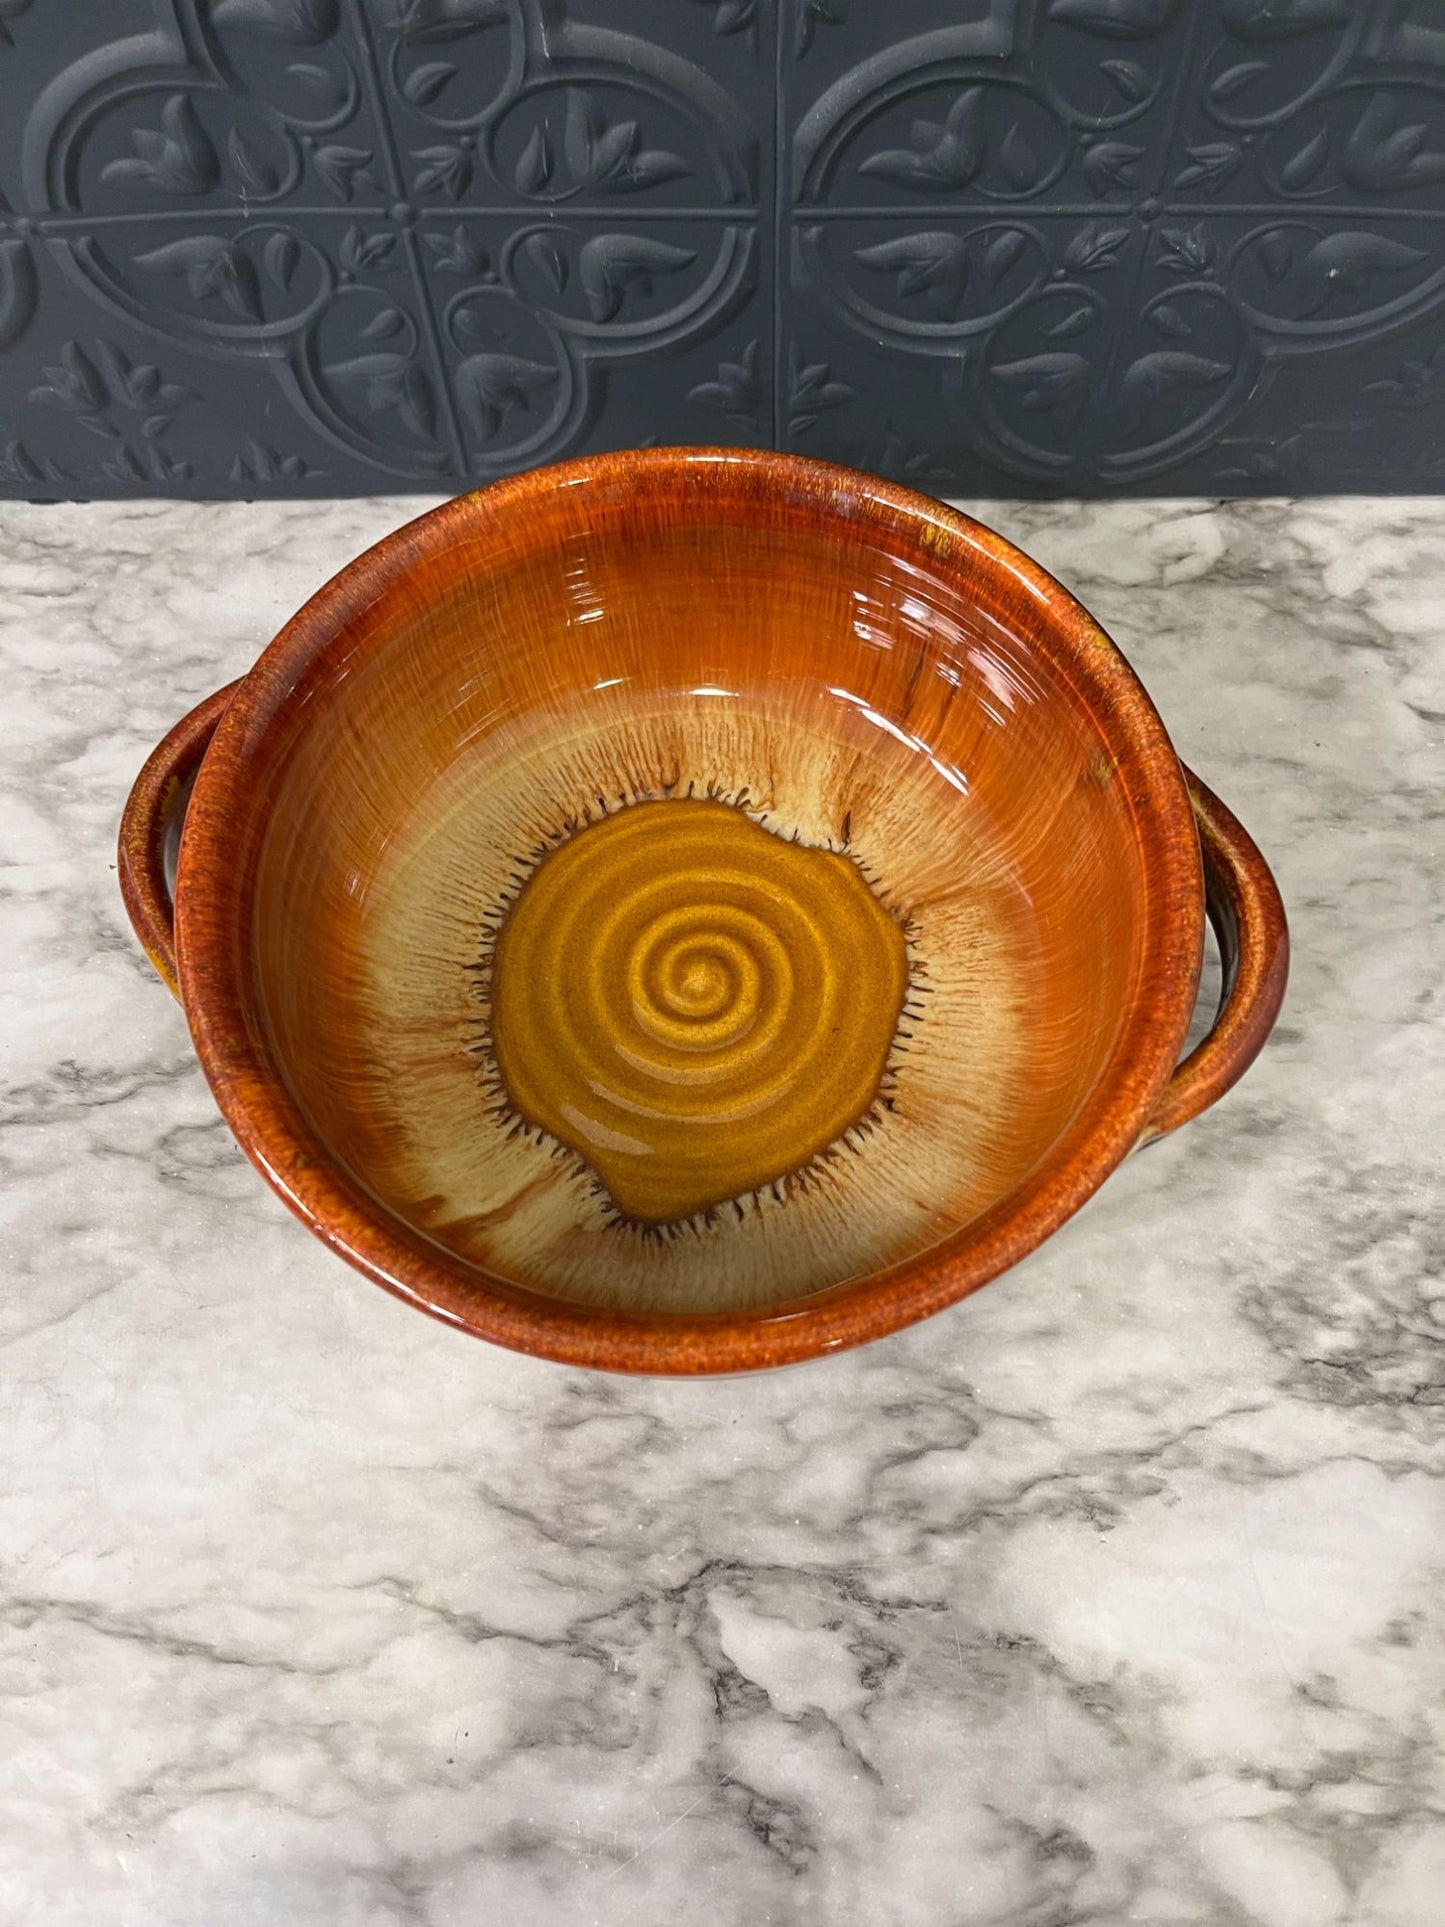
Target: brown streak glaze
<point>402,664</point>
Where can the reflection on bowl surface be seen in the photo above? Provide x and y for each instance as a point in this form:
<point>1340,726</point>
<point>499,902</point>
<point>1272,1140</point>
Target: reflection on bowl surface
<point>676,915</point>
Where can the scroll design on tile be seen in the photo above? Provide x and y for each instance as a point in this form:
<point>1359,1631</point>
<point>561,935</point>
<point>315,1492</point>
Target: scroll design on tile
<point>1122,345</point>
<point>992,110</point>
<point>248,105</point>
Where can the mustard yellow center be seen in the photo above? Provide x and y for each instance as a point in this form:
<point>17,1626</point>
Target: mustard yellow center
<point>692,1004</point>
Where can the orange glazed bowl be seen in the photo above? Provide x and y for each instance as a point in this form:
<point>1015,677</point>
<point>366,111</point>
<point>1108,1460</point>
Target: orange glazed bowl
<point>694,910</point>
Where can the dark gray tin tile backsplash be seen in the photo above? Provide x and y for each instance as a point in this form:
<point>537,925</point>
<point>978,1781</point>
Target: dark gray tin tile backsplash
<point>993,246</point>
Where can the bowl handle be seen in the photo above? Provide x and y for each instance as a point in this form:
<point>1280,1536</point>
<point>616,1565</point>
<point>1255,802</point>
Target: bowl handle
<point>154,809</point>
<point>1244,906</point>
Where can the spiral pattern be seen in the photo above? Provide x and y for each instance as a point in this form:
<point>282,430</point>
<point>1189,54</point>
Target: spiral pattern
<point>692,1004</point>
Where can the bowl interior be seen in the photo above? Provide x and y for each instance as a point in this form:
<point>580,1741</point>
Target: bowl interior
<point>892,880</point>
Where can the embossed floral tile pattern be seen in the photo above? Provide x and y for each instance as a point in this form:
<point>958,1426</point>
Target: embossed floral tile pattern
<point>1053,246</point>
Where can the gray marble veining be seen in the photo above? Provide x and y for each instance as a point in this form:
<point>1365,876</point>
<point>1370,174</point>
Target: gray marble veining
<point>1113,1595</point>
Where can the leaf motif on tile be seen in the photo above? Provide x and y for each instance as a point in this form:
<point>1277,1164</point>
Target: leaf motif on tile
<point>541,252</point>
<point>418,401</point>
<point>1166,319</point>
<point>210,265</point>
<point>609,265</point>
<point>1305,163</point>
<point>534,166</point>
<point>1276,251</point>
<point>75,384</point>
<point>1208,163</point>
<point>18,291</point>
<point>456,253</point>
<point>1233,80</point>
<point>1276,462</point>
<point>87,386</point>
<point>384,325</point>
<point>943,155</point>
<point>1184,250</point>
<point>1413,381</point>
<point>1093,249</point>
<point>735,391</point>
<point>1046,383</point>
<point>812,391</point>
<point>734,17</point>
<point>1282,19</point>
<point>1130,79</point>
<point>1004,251</point>
<point>1381,154</point>
<point>1076,322</point>
<point>282,256</point>
<point>123,467</point>
<point>809,15</point>
<point>422,21</point>
<point>139,386</point>
<point>391,380</point>
<point>933,265</point>
<point>424,83</point>
<point>305,23</point>
<point>898,459</point>
<point>177,159</point>
<point>319,81</point>
<point>254,174</point>
<point>611,158</point>
<point>1111,164</point>
<point>1018,163</point>
<point>491,387</point>
<point>448,167</point>
<point>923,282</point>
<point>1160,373</point>
<point>599,156</point>
<point>360,251</point>
<point>587,142</point>
<point>255,462</point>
<point>1350,262</point>
<point>18,465</point>
<point>468,325</point>
<point>151,464</point>
<point>343,167</point>
<point>11,10</point>
<point>1115,19</point>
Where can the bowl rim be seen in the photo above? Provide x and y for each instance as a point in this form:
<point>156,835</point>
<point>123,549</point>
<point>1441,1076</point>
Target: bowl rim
<point>229,1033</point>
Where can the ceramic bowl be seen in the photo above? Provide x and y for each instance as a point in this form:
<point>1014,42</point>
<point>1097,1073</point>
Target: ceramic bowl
<point>694,910</point>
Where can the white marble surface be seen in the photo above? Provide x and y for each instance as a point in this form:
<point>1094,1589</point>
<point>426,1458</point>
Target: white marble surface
<point>1113,1595</point>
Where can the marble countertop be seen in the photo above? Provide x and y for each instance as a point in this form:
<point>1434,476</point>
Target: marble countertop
<point>1112,1595</point>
